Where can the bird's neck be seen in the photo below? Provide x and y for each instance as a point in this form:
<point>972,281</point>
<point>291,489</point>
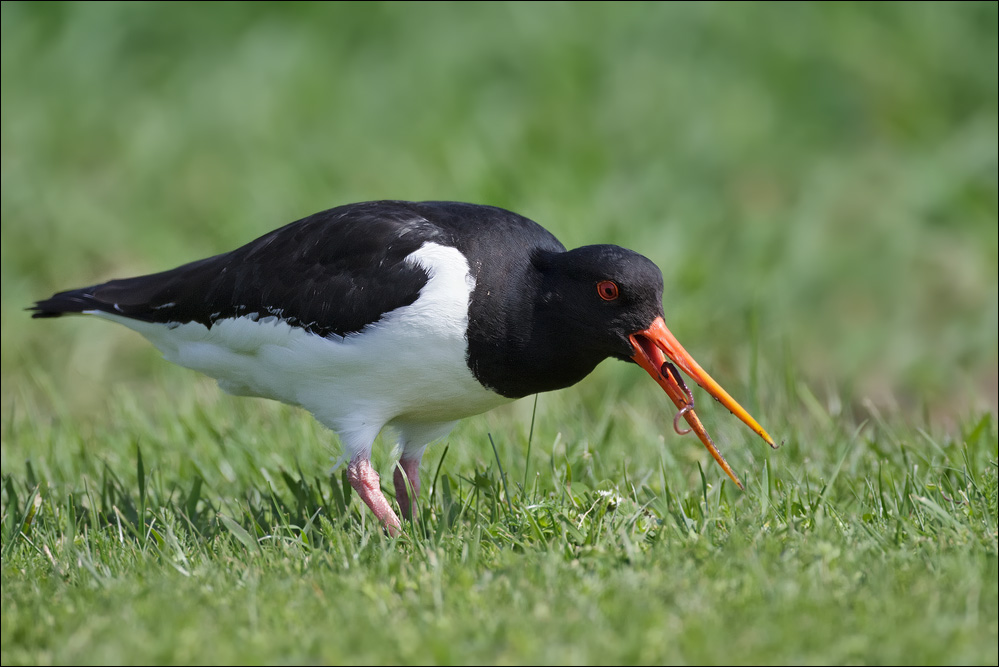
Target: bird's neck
<point>520,355</point>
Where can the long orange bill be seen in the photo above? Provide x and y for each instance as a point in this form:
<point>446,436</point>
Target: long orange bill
<point>652,347</point>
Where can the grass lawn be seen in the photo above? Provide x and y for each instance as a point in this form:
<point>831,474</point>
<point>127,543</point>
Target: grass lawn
<point>818,183</point>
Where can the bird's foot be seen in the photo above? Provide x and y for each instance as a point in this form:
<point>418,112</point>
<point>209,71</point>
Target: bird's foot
<point>365,482</point>
<point>407,470</point>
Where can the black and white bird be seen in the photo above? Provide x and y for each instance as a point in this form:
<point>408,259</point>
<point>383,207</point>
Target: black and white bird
<point>405,314</point>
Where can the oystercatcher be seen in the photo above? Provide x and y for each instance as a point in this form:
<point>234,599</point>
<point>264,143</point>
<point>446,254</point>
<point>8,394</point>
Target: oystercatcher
<point>405,314</point>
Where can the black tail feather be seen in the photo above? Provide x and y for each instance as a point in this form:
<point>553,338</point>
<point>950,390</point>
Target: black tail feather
<point>152,298</point>
<point>66,303</point>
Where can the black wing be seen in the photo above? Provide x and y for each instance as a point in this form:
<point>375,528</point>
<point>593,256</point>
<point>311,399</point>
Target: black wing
<point>331,273</point>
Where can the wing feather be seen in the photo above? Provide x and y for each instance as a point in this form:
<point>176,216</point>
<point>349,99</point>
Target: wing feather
<point>332,273</point>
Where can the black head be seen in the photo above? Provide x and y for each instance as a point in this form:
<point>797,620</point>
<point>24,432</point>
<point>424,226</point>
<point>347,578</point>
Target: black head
<point>548,323</point>
<point>598,296</point>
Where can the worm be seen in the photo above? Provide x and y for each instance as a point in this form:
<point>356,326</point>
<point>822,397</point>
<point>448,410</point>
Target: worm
<point>667,367</point>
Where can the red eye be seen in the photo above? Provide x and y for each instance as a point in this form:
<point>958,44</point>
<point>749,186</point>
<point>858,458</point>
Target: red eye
<point>607,290</point>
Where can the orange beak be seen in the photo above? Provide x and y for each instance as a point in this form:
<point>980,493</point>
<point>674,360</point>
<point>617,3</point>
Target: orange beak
<point>652,347</point>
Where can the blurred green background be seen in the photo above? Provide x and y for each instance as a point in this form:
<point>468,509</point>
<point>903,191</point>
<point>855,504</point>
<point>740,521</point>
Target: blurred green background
<point>818,182</point>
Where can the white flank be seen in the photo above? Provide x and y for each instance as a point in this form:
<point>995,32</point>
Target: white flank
<point>407,370</point>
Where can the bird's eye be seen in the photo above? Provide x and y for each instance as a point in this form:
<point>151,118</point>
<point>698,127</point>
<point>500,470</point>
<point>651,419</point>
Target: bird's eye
<point>607,289</point>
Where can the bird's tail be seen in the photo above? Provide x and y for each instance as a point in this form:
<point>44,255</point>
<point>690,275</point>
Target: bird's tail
<point>151,298</point>
<point>69,302</point>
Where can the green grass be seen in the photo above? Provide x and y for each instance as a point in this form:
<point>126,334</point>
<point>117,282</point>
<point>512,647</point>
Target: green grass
<point>818,183</point>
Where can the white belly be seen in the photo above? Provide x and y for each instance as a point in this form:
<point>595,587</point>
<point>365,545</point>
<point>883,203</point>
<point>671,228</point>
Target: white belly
<point>408,368</point>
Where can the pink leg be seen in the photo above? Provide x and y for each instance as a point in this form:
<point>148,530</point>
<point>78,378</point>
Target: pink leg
<point>412,470</point>
<point>364,480</point>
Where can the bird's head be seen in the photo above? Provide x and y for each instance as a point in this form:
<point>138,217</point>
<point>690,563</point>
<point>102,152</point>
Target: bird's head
<point>612,299</point>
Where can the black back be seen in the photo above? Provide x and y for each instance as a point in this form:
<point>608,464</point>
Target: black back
<point>332,273</point>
